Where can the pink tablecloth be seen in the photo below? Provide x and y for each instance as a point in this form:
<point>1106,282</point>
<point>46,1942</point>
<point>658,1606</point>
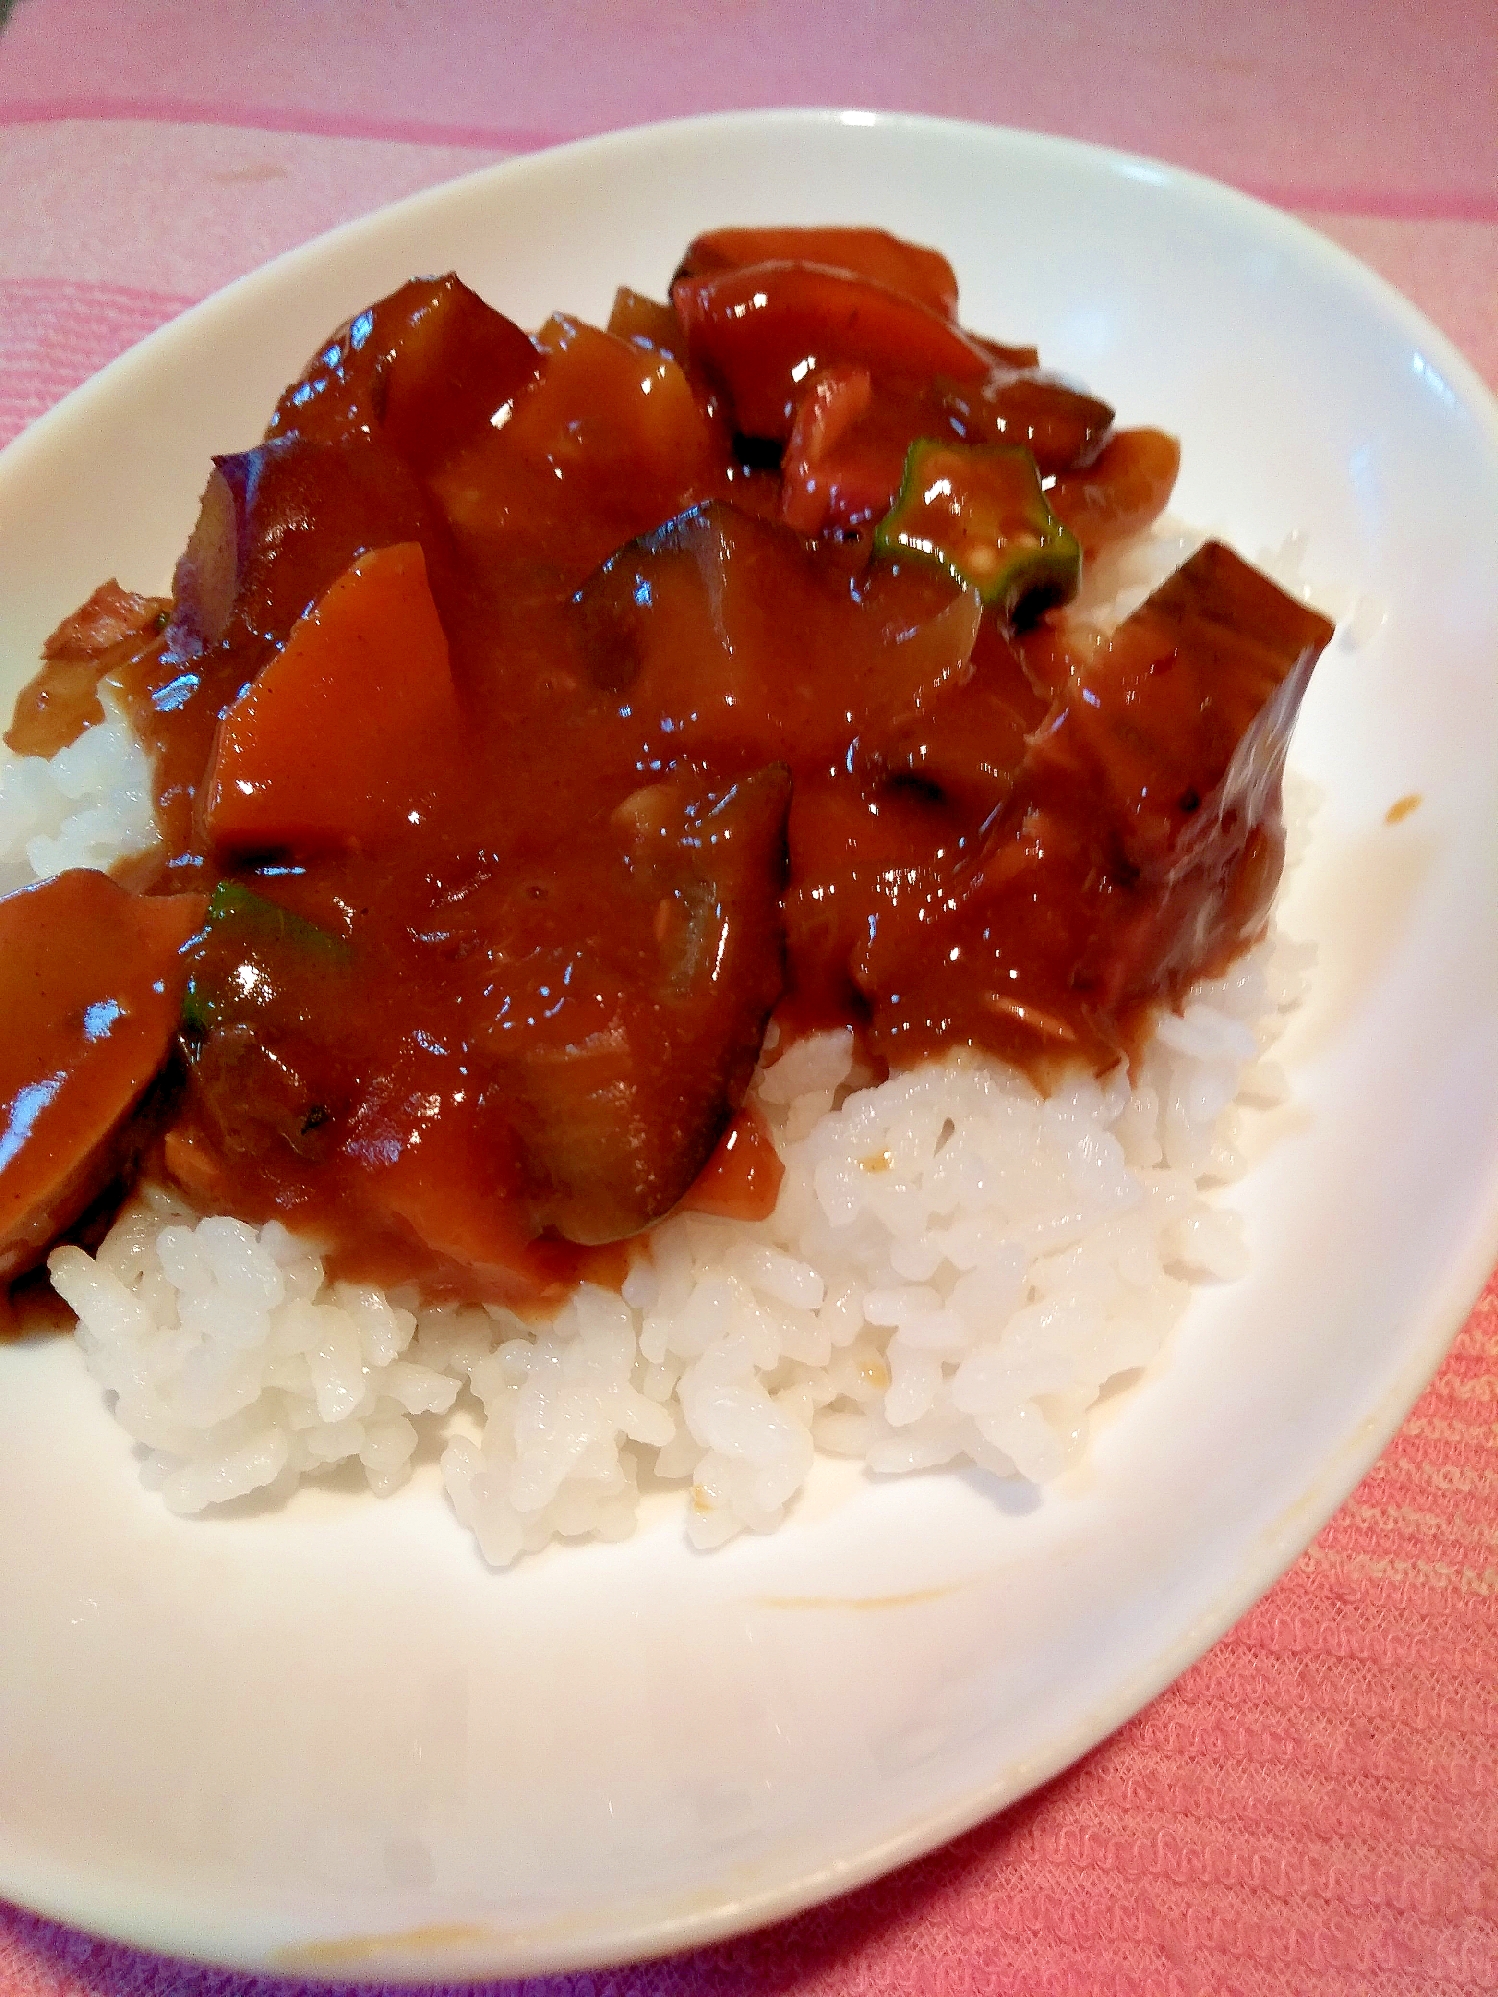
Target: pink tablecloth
<point>1314,1807</point>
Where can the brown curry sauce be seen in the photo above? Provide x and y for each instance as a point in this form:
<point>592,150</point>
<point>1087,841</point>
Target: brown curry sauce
<point>528,747</point>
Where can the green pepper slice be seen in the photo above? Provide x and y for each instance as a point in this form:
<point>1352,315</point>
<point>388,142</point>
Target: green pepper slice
<point>978,511</point>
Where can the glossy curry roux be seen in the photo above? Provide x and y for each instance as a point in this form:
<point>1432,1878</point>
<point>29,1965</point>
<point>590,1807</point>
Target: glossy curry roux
<point>535,718</point>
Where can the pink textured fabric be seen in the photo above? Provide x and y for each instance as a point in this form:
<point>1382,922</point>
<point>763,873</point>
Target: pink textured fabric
<point>1313,1808</point>
<point>1389,106</point>
<point>54,334</point>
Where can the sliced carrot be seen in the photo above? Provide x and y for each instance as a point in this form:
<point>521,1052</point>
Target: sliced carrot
<point>317,752</point>
<point>90,985</point>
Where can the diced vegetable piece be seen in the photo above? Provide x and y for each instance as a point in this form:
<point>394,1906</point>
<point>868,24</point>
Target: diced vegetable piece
<point>645,322</point>
<point>114,628</point>
<point>742,1178</point>
<point>90,985</point>
<point>979,511</point>
<point>426,368</point>
<point>268,995</point>
<point>856,457</point>
<point>616,1126</point>
<point>1142,841</point>
<point>1125,487</point>
<point>968,746</point>
<point>766,328</point>
<point>1184,718</point>
<point>687,626</point>
<point>457,1193</point>
<point>314,754</point>
<point>837,398</point>
<point>1005,357</point>
<point>242,927</point>
<point>919,273</point>
<point>1058,425</point>
<point>857,860</point>
<point>276,523</point>
<point>611,442</point>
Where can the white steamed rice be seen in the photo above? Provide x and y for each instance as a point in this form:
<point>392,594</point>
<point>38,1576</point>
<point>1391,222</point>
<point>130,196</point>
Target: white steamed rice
<point>955,1271</point>
<point>87,806</point>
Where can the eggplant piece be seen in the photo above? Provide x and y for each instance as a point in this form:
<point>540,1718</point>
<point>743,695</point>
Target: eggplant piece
<point>615,1124</point>
<point>91,981</point>
<point>1140,846</point>
<point>1188,710</point>
<point>278,525</point>
<point>426,369</point>
<point>687,627</point>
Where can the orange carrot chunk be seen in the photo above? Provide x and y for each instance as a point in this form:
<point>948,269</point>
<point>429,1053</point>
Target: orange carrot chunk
<point>315,755</point>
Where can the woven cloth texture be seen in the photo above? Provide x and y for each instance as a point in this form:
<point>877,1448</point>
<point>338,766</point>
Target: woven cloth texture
<point>1313,1807</point>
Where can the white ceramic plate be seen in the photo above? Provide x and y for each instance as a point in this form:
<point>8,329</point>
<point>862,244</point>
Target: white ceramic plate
<point>324,1738</point>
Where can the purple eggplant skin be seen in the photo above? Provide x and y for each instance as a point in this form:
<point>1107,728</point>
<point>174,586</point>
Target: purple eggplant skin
<point>615,1128</point>
<point>278,524</point>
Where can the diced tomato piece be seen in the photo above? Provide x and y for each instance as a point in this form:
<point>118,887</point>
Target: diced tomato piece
<point>767,327</point>
<point>315,752</point>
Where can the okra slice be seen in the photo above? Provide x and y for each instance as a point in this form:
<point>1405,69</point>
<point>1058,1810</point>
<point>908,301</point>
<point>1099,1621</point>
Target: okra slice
<point>247,949</point>
<point>978,511</point>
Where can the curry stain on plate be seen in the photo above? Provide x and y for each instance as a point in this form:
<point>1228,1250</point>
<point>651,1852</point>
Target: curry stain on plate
<point>1402,807</point>
<point>915,1599</point>
<point>349,1949</point>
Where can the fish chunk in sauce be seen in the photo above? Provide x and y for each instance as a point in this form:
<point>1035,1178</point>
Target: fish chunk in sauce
<point>536,717</point>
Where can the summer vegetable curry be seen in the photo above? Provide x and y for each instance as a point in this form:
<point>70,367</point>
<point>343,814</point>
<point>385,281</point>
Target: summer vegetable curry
<point>532,718</point>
